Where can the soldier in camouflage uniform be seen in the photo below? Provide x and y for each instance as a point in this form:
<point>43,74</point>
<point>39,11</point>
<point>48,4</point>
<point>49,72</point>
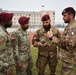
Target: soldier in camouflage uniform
<point>6,52</point>
<point>47,50</point>
<point>21,47</point>
<point>68,42</point>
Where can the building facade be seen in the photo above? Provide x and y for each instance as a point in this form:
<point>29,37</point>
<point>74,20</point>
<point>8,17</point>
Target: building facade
<point>35,17</point>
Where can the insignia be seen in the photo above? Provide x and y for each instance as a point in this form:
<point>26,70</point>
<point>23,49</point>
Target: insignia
<point>71,33</point>
<point>1,39</point>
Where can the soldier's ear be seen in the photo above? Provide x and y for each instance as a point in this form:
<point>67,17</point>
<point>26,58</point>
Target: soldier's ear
<point>71,15</point>
<point>50,20</point>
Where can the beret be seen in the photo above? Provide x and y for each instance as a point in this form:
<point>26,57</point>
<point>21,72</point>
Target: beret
<point>69,10</point>
<point>23,19</point>
<point>45,17</point>
<point>6,17</point>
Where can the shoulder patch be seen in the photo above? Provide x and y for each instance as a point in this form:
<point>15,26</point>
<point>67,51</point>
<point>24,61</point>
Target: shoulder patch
<point>1,39</point>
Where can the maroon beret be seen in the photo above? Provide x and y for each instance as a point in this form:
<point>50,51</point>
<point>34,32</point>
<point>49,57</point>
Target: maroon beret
<point>4,16</point>
<point>45,17</point>
<point>69,10</point>
<point>23,19</point>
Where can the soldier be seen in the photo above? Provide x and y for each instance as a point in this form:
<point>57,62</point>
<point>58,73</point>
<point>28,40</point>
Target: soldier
<point>47,50</point>
<point>68,42</point>
<point>21,47</point>
<point>6,52</point>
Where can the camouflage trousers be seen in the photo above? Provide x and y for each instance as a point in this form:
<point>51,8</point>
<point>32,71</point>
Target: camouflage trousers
<point>8,71</point>
<point>26,68</point>
<point>67,68</point>
<point>42,63</point>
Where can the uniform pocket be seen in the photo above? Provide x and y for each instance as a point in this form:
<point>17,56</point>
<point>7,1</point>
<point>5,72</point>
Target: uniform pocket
<point>2,44</point>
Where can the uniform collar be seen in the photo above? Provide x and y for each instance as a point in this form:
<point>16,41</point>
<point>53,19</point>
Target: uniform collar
<point>23,32</point>
<point>4,29</point>
<point>72,22</point>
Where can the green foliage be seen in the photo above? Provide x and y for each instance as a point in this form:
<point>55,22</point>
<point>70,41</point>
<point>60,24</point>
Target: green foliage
<point>34,52</point>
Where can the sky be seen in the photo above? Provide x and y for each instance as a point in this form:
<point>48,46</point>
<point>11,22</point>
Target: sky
<point>36,5</point>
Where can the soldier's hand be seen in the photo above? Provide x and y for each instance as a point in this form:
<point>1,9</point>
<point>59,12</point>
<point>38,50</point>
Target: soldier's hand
<point>12,37</point>
<point>49,34</point>
<point>19,65</point>
<point>55,39</point>
<point>42,45</point>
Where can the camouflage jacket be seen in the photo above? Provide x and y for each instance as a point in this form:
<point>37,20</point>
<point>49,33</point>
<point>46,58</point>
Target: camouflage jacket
<point>21,45</point>
<point>69,36</point>
<point>6,51</point>
<point>40,35</point>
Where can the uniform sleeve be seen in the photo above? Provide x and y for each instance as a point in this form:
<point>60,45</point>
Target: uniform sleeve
<point>58,48</point>
<point>68,40</point>
<point>15,46</point>
<point>58,34</point>
<point>2,48</point>
<point>35,40</point>
<point>72,37</point>
<point>2,41</point>
<point>59,53</point>
<point>57,38</point>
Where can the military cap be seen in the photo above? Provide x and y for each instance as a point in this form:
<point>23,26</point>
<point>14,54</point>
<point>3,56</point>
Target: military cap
<point>23,19</point>
<point>69,10</point>
<point>4,16</point>
<point>45,17</point>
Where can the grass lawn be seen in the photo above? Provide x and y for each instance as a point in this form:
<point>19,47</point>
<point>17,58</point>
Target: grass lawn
<point>34,52</point>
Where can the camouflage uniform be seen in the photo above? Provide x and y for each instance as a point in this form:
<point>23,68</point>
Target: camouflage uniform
<point>6,53</point>
<point>47,54</point>
<point>68,54</point>
<point>21,47</point>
